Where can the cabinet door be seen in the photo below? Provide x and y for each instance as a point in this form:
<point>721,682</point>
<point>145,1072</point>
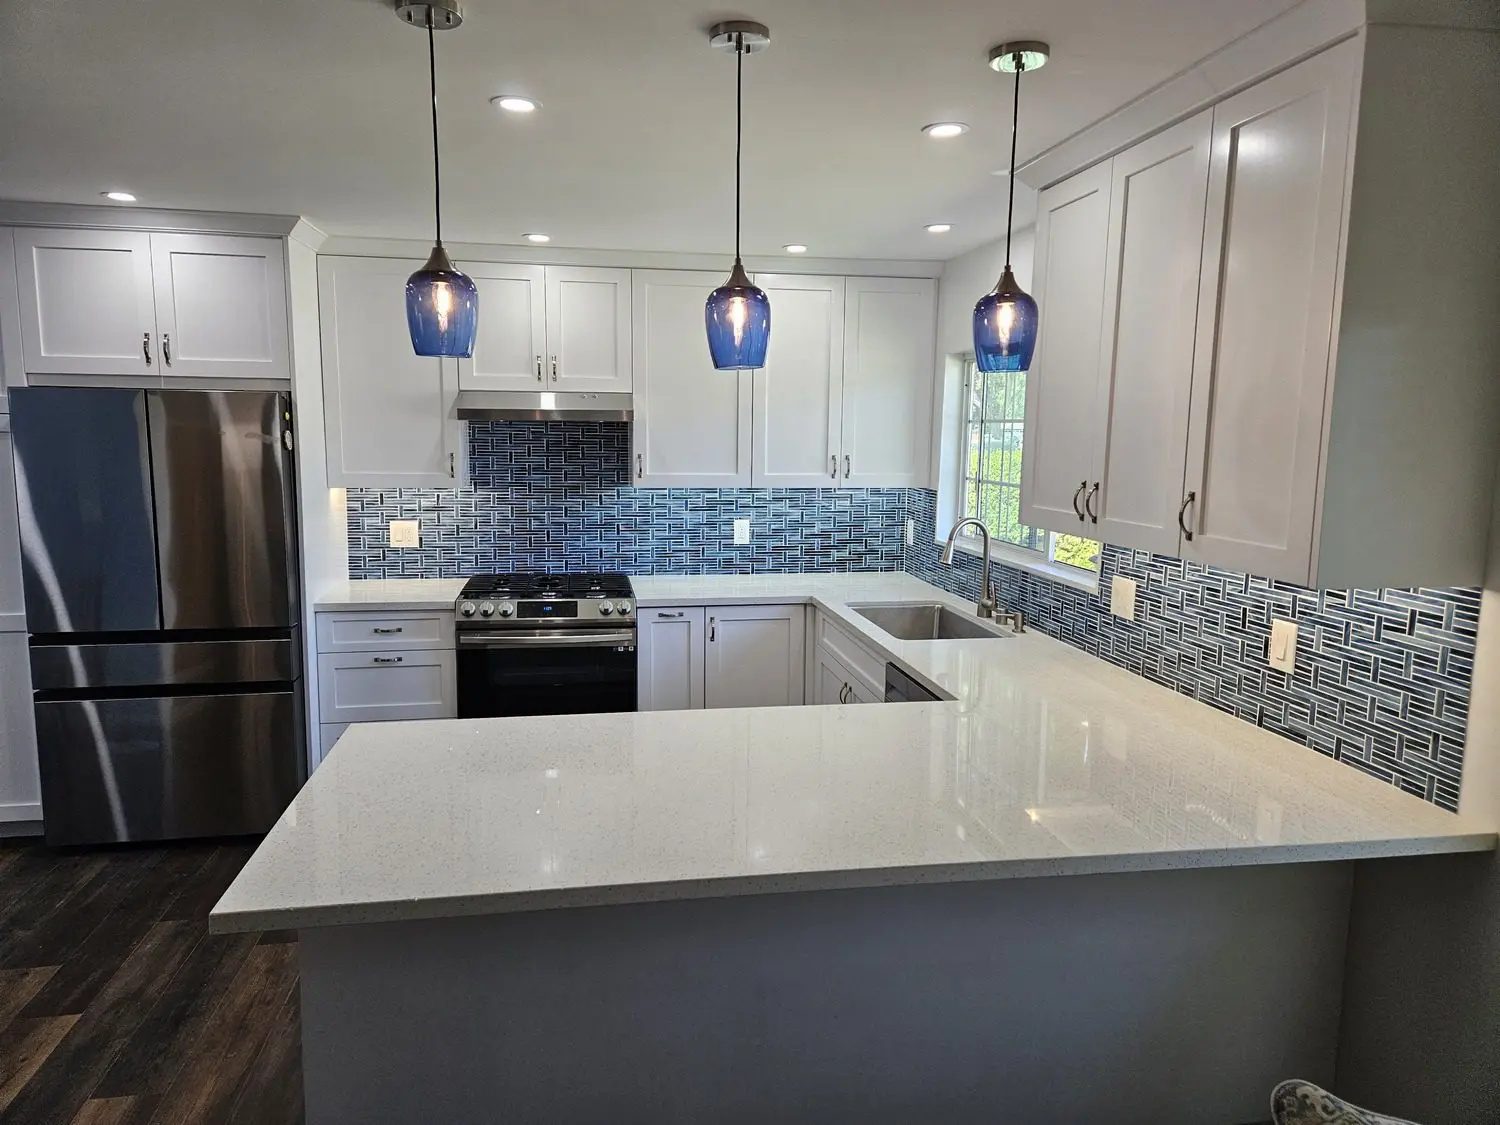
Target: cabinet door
<point>1062,385</point>
<point>837,685</point>
<point>388,412</point>
<point>510,347</point>
<point>754,656</point>
<point>588,329</point>
<point>1276,189</point>
<point>12,600</point>
<point>670,659</point>
<point>86,302</point>
<point>799,393</point>
<point>889,372</point>
<point>692,423</point>
<point>20,779</point>
<point>1157,196</point>
<point>373,687</point>
<point>221,306</point>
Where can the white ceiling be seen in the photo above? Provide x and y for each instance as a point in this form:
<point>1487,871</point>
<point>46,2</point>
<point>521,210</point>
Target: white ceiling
<point>319,108</point>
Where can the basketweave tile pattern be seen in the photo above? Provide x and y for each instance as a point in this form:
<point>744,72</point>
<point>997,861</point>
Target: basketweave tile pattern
<point>1383,676</point>
<point>557,497</point>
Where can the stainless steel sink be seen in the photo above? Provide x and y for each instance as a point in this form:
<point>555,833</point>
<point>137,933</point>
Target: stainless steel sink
<point>927,621</point>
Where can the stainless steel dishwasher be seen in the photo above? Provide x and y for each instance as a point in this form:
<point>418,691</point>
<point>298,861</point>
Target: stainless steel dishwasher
<point>901,688</point>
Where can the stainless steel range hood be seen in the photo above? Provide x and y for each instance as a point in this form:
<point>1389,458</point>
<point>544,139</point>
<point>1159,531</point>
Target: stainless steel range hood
<point>544,406</point>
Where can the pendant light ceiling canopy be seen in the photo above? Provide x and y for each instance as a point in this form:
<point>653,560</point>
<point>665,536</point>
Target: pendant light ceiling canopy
<point>738,314</point>
<point>1005,319</point>
<point>442,303</point>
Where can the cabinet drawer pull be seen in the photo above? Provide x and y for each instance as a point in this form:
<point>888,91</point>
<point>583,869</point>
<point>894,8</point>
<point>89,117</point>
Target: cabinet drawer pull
<point>166,348</point>
<point>1088,503</point>
<point>539,369</point>
<point>146,347</point>
<point>679,613</point>
<point>1077,509</point>
<point>1182,511</point>
<point>383,630</point>
<point>833,464</point>
<point>389,659</point>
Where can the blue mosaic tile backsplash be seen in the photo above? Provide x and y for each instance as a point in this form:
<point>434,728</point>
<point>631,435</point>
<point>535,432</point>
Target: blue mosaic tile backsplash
<point>557,496</point>
<point>1382,680</point>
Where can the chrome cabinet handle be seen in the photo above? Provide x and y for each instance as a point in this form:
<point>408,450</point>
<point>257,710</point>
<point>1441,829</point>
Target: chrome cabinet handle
<point>833,465</point>
<point>845,693</point>
<point>679,613</point>
<point>554,369</point>
<point>378,629</point>
<point>166,348</point>
<point>452,466</point>
<point>389,659</point>
<point>1182,511</point>
<point>1088,503</point>
<point>640,466</point>
<point>1077,510</point>
<point>848,466</point>
<point>713,629</point>
<point>539,369</point>
<point>146,347</point>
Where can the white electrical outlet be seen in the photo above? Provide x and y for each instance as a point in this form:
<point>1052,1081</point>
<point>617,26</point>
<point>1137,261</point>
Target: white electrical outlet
<point>741,532</point>
<point>406,533</point>
<point>1122,597</point>
<point>1282,651</point>
<point>911,532</point>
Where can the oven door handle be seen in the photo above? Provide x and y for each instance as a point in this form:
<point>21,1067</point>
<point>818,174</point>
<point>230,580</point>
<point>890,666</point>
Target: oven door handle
<point>592,638</point>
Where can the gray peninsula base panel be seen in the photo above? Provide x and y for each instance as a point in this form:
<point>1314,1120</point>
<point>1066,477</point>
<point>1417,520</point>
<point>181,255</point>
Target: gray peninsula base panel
<point>1158,998</point>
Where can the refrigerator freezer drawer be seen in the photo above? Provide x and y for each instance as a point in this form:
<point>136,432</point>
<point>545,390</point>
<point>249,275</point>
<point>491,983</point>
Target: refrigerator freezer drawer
<point>73,667</point>
<point>166,768</point>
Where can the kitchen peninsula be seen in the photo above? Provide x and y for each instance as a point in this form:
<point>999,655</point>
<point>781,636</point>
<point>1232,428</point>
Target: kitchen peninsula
<point>1061,883</point>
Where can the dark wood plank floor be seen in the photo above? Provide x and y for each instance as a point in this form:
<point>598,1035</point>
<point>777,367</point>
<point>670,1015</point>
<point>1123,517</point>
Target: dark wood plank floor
<point>117,1007</point>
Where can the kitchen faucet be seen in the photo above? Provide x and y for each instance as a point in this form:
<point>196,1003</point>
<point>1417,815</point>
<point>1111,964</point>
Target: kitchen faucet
<point>986,607</point>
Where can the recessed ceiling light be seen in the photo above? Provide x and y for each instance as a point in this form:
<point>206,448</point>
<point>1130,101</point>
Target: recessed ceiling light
<point>118,196</point>
<point>939,228</point>
<point>942,130</point>
<point>515,103</point>
<point>538,237</point>
<point>795,248</point>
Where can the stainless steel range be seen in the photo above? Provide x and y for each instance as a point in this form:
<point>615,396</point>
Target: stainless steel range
<point>545,644</point>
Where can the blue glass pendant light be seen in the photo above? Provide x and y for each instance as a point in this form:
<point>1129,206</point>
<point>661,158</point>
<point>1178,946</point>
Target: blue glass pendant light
<point>738,314</point>
<point>442,304</point>
<point>1005,319</point>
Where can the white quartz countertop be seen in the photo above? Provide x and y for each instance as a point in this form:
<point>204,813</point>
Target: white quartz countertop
<point>390,593</point>
<point>1047,762</point>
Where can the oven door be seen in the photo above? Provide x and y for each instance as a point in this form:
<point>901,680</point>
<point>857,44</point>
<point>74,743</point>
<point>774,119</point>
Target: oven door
<point>545,672</point>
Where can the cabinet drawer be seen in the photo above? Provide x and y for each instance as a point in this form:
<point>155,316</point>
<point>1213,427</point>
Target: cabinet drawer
<point>396,684</point>
<point>852,654</point>
<point>379,632</point>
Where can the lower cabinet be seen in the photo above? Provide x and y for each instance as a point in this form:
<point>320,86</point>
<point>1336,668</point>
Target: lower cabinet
<point>836,684</point>
<point>721,656</point>
<point>20,782</point>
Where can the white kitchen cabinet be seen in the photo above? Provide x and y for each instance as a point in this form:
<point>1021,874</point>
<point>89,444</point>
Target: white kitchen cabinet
<point>1265,317</point>
<point>588,329</point>
<point>397,684</point>
<point>669,658</point>
<point>388,413</point>
<point>798,395</point>
<point>221,306</point>
<point>1062,387</point>
<point>20,780</point>
<point>510,346</point>
<point>111,303</point>
<point>87,302</point>
<point>754,656</point>
<point>12,598</point>
<point>368,631</point>
<point>1157,195</point>
<point>692,423</point>
<point>837,685</point>
<point>889,367</point>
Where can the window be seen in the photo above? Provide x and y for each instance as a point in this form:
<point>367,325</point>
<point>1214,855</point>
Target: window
<point>994,423</point>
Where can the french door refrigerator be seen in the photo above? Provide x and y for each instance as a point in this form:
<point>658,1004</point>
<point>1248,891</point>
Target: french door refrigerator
<point>159,569</point>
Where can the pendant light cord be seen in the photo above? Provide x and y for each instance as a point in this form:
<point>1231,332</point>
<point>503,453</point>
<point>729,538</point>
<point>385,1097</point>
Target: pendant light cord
<point>1015,128</point>
<point>437,179</point>
<point>739,129</point>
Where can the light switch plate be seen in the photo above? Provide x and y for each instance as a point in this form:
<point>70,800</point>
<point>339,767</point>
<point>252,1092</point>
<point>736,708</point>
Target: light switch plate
<point>406,533</point>
<point>911,532</point>
<point>741,532</point>
<point>1122,597</point>
<point>1282,651</point>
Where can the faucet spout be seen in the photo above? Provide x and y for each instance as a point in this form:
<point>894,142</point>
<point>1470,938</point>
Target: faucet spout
<point>986,606</point>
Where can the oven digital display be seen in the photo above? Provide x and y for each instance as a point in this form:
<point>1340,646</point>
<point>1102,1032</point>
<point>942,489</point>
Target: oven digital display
<point>546,609</point>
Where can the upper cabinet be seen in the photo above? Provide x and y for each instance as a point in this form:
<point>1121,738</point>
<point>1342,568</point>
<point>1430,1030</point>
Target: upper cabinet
<point>553,328</point>
<point>113,303</point>
<point>889,366</point>
<point>388,413</point>
<point>799,394</point>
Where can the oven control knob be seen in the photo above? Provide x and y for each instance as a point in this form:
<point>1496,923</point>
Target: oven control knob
<point>486,609</point>
<point>467,609</point>
<point>624,608</point>
<point>507,609</point>
<point>606,608</point>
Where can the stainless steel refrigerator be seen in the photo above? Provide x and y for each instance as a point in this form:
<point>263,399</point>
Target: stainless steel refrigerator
<point>159,564</point>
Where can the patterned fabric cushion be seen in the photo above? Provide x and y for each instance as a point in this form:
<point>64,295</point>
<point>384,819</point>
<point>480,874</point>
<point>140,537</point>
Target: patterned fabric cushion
<point>1301,1103</point>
